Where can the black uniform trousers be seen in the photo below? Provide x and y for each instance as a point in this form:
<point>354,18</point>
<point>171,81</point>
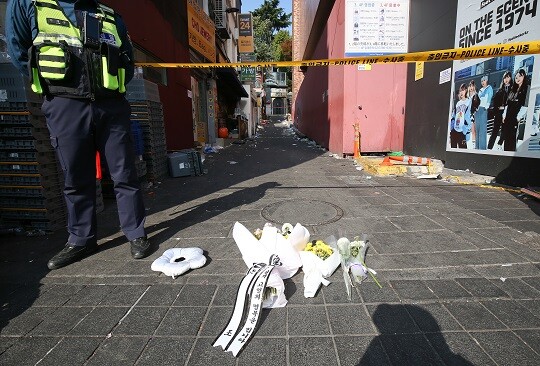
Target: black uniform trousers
<point>78,128</point>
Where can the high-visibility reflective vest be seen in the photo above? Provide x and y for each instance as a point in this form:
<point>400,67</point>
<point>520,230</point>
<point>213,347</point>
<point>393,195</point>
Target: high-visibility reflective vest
<point>60,64</point>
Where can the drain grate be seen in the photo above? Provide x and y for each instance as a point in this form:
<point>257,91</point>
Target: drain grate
<point>305,212</point>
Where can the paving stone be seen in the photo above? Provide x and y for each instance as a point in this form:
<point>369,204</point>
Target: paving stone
<point>252,355</point>
<point>184,321</point>
<point>350,320</point>
<point>118,350</point>
<point>532,305</point>
<point>473,316</point>
<point>533,281</point>
<point>6,342</point>
<point>195,295</point>
<point>204,354</point>
<point>216,320</point>
<point>141,321</point>
<point>517,288</point>
<point>413,290</point>
<point>21,324</point>
<point>60,321</point>
<point>506,349</point>
<point>71,351</point>
<point>307,321</point>
<point>392,319</point>
<point>418,242</point>
<point>56,295</point>
<point>273,322</point>
<point>371,293</point>
<point>225,295</point>
<point>415,223</point>
<point>366,350</point>
<point>124,295</point>
<point>432,318</point>
<point>481,287</point>
<point>512,314</point>
<point>458,349</point>
<point>531,337</point>
<point>410,349</point>
<point>315,351</point>
<point>507,270</point>
<point>336,293</point>
<point>90,295</point>
<point>160,295</point>
<point>447,289</point>
<point>166,351</point>
<point>100,321</point>
<point>28,351</point>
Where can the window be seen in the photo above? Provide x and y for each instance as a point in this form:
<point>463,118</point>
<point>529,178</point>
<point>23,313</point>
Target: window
<point>154,74</point>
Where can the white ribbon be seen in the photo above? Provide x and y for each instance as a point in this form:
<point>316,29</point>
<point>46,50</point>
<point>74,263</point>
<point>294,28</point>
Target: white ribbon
<point>252,287</point>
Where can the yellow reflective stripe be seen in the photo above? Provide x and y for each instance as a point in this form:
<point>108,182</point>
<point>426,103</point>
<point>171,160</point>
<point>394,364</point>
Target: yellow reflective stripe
<point>52,51</point>
<point>36,85</point>
<point>52,76</point>
<point>57,38</point>
<point>109,81</point>
<point>122,80</point>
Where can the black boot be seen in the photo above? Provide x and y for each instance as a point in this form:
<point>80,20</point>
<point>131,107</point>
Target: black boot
<point>70,254</point>
<point>140,247</point>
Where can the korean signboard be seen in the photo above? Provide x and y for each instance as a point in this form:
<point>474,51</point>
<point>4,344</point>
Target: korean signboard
<point>201,31</point>
<point>376,27</point>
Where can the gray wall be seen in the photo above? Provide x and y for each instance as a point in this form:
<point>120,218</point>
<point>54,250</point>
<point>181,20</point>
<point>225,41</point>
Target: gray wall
<point>432,26</point>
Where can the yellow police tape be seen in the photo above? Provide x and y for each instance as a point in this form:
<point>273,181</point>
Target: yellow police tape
<point>498,50</point>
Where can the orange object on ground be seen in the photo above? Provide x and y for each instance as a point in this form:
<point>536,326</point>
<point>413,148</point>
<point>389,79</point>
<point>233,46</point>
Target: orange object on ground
<point>407,159</point>
<point>356,140</point>
<point>98,166</point>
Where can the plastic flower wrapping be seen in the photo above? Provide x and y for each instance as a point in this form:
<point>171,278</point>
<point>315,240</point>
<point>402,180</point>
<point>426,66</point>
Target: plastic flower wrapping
<point>319,259</point>
<point>353,261</point>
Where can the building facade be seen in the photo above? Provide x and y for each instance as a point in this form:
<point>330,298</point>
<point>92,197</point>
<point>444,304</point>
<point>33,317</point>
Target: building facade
<point>410,107</point>
<point>201,31</point>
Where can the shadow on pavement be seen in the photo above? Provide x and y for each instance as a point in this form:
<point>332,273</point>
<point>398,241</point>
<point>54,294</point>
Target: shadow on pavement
<point>402,343</point>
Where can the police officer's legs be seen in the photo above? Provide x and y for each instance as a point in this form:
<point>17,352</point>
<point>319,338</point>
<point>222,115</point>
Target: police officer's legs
<point>70,126</point>
<point>115,142</point>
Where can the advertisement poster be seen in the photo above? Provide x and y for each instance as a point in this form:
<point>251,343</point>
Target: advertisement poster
<point>376,27</point>
<point>495,102</point>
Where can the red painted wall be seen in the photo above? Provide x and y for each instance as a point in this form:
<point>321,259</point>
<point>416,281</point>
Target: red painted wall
<point>158,29</point>
<point>380,92</point>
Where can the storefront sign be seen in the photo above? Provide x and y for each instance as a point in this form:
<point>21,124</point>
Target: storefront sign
<point>376,27</point>
<point>245,34</point>
<point>248,74</point>
<point>201,31</point>
<point>486,116</point>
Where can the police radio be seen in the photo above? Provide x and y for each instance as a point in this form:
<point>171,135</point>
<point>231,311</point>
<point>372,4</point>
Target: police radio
<point>91,30</point>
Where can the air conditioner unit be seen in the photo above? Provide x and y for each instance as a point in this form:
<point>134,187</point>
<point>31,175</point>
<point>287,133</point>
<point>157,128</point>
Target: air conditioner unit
<point>220,19</point>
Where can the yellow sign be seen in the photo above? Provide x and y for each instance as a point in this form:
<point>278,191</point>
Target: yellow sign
<point>201,31</point>
<point>245,34</point>
<point>498,50</point>
<point>419,71</point>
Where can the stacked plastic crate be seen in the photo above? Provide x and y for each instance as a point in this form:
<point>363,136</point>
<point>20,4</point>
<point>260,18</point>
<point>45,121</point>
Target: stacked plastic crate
<point>30,181</point>
<point>147,111</point>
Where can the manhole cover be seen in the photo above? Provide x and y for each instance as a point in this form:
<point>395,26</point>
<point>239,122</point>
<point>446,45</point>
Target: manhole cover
<point>305,212</point>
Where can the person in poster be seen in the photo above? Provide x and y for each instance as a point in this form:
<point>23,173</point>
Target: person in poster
<point>480,121</point>
<point>460,123</point>
<point>475,103</point>
<point>516,100</point>
<point>499,103</point>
